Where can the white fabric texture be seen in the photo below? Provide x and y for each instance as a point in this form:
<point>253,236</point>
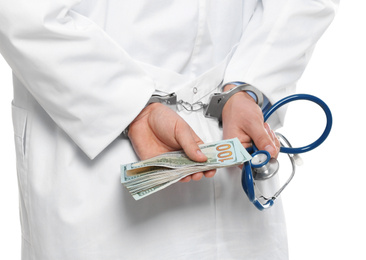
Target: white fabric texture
<point>83,70</point>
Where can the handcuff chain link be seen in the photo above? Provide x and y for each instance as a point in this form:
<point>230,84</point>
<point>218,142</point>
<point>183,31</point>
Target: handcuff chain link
<point>196,106</point>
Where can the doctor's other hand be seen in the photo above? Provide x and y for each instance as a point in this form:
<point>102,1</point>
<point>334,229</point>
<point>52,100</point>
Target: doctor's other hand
<point>158,129</point>
<point>243,118</point>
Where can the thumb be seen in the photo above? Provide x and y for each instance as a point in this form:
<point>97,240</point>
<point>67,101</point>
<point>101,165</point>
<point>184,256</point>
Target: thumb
<point>189,141</point>
<point>262,138</point>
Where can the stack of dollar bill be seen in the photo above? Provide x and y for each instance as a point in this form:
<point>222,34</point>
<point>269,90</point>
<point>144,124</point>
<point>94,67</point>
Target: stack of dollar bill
<point>149,176</point>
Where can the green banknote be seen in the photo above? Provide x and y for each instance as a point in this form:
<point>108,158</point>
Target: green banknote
<point>149,176</point>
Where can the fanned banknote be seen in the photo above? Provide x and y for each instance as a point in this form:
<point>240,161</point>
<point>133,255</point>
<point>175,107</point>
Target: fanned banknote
<point>149,176</point>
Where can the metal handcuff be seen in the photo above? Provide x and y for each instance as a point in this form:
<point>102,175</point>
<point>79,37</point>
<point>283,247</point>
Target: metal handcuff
<point>213,109</point>
<point>216,102</point>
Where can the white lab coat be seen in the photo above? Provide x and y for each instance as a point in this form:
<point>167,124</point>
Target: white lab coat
<point>82,72</point>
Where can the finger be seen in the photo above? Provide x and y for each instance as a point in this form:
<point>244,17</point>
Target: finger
<point>276,143</point>
<point>186,179</point>
<point>270,133</point>
<point>262,138</point>
<point>197,176</point>
<point>274,139</point>
<point>188,140</point>
<point>210,173</point>
<point>232,132</point>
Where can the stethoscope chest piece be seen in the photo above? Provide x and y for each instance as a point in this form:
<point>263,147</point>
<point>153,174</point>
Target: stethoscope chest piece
<point>263,166</point>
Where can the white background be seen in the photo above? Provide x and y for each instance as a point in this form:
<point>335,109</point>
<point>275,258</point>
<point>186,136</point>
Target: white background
<point>324,204</point>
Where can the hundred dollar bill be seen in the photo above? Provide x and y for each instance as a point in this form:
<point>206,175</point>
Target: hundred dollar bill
<point>225,152</point>
<point>146,177</point>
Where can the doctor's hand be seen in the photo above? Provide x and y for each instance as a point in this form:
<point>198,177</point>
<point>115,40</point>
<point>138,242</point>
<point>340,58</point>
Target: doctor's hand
<point>158,129</point>
<point>243,118</point>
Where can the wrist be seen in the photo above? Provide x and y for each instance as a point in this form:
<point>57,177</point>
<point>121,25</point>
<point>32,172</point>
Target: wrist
<point>227,87</point>
<point>243,94</point>
<point>230,85</point>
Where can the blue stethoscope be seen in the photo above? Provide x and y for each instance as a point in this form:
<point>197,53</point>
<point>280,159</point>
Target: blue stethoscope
<point>262,166</point>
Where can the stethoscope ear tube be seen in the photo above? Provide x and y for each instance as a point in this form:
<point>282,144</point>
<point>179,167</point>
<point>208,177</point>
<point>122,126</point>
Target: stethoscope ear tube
<point>318,101</point>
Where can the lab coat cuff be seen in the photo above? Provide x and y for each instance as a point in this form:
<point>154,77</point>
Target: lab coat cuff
<point>93,141</point>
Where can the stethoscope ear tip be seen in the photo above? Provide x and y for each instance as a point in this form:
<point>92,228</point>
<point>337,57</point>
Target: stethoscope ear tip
<point>298,160</point>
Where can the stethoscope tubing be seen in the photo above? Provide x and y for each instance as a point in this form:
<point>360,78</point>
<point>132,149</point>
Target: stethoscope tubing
<point>247,176</point>
<point>316,100</point>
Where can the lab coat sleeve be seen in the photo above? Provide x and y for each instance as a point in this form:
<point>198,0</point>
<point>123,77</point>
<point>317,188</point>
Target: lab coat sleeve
<point>277,43</point>
<point>82,78</point>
